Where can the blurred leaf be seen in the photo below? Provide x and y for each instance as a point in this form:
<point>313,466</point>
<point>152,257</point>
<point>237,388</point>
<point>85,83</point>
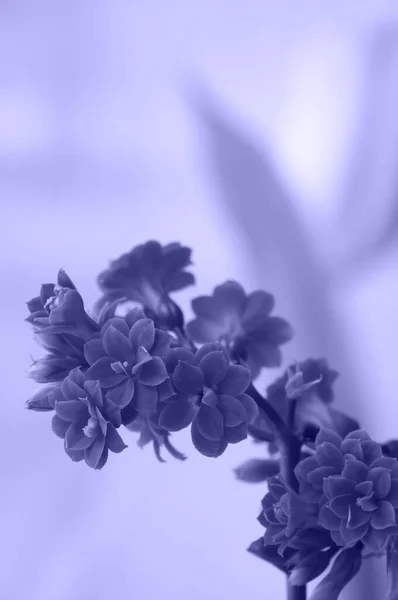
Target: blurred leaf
<point>256,470</point>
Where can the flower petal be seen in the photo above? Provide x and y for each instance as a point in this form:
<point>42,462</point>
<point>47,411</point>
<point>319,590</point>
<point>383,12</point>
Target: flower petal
<point>236,380</point>
<point>71,410</point>
<point>94,454</point>
<point>188,378</point>
<point>116,344</point>
<point>317,476</point>
<point>102,371</point>
<point>118,323</point>
<point>161,344</point>
<point>328,435</point>
<point>121,394</point>
<point>328,519</point>
<point>231,296</point>
<point>258,305</point>
<point>354,447</point>
<point>305,467</point>
<point>210,347</point>
<point>371,451</point>
<point>383,516</point>
<point>179,354</point>
<point>352,536</point>
<point>357,517</point>
<point>177,416</point>
<point>142,334</point>
<point>134,315</point>
<point>340,505</point>
<point>234,435</point>
<point>153,372</point>
<point>75,438</point>
<point>202,330</point>
<point>145,398</point>
<point>113,440</point>
<point>328,455</point>
<point>232,409</point>
<point>207,447</point>
<point>93,350</point>
<point>214,367</point>
<point>251,407</point>
<point>210,422</point>
<point>392,496</point>
<point>206,307</point>
<point>336,485</point>
<point>59,426</point>
<point>381,479</point>
<point>355,470</point>
<point>274,332</point>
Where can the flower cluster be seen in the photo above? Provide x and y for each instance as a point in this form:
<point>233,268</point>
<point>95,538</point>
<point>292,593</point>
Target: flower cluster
<point>85,420</point>
<point>355,486</point>
<point>210,395</point>
<point>332,491</point>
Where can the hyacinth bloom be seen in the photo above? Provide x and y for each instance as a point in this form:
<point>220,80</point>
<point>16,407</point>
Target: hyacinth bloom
<point>210,394</point>
<point>290,521</point>
<point>148,274</point>
<point>243,322</point>
<point>83,420</point>
<point>126,357</point>
<point>356,487</point>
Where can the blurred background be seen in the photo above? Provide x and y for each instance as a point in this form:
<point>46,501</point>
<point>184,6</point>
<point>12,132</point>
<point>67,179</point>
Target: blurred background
<point>262,133</point>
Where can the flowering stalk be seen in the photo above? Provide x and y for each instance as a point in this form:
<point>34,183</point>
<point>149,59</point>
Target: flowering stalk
<point>332,491</point>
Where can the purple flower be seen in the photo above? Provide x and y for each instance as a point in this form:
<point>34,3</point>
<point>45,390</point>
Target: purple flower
<point>290,521</point>
<point>243,322</point>
<point>148,274</point>
<point>60,309</point>
<point>210,395</point>
<point>61,326</point>
<point>356,487</point>
<point>83,418</point>
<point>313,408</point>
<point>127,358</point>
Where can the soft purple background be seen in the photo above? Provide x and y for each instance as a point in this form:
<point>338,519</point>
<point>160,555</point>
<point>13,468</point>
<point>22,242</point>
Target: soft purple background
<point>262,134</point>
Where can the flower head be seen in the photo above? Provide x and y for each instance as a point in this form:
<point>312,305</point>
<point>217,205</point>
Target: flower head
<point>243,322</point>
<point>60,309</point>
<point>210,394</point>
<point>126,357</point>
<point>290,521</point>
<point>148,274</point>
<point>85,420</point>
<point>355,486</point>
<point>61,326</point>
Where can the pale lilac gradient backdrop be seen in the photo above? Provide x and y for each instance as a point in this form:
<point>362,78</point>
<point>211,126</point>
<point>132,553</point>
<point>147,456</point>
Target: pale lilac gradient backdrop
<point>116,123</point>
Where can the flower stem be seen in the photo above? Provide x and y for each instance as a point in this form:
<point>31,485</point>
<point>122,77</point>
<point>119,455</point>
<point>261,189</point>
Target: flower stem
<point>281,429</point>
<point>295,592</point>
<point>290,448</point>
